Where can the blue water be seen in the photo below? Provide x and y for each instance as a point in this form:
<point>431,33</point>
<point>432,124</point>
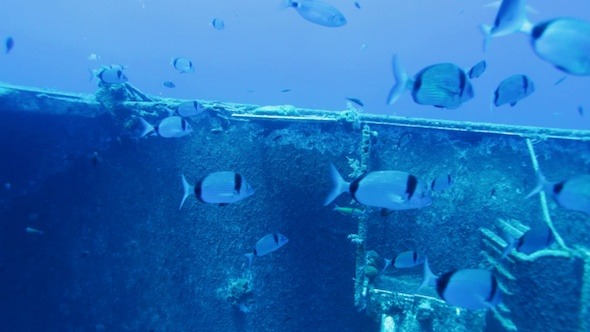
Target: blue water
<point>116,254</point>
<point>263,50</point>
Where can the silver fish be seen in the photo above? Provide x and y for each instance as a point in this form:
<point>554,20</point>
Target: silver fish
<point>443,85</point>
<point>573,193</point>
<point>267,244</point>
<point>408,259</point>
<point>478,69</point>
<point>183,65</point>
<point>112,74</point>
<point>218,24</point>
<point>8,44</point>
<point>393,190</point>
<point>169,84</point>
<point>317,12</point>
<point>188,109</point>
<point>32,230</point>
<point>441,183</point>
<point>221,188</point>
<point>466,288</point>
<point>513,89</point>
<point>356,101</point>
<point>511,18</point>
<point>533,240</point>
<point>565,43</point>
<point>172,126</point>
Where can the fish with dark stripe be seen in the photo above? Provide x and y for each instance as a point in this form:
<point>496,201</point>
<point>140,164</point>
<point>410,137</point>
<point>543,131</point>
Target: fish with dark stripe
<point>393,190</point>
<point>535,239</point>
<point>465,288</point>
<point>513,89</point>
<point>267,244</point>
<point>170,127</point>
<point>406,259</point>
<point>572,193</point>
<point>442,85</point>
<point>220,188</point>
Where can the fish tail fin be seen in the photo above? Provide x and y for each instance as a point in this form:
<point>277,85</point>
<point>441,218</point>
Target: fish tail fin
<point>286,4</point>
<point>187,191</point>
<point>492,101</point>
<point>171,112</point>
<point>337,208</point>
<point>429,277</point>
<point>387,264</point>
<point>338,185</point>
<point>509,245</point>
<point>146,127</point>
<point>249,256</point>
<point>401,81</point>
<point>92,74</point>
<point>487,36</point>
<point>541,183</point>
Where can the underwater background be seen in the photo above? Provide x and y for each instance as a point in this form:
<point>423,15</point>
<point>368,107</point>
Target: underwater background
<point>91,236</point>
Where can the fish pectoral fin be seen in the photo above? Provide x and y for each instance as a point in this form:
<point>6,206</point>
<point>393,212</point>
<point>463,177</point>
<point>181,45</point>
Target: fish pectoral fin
<point>513,103</point>
<point>397,199</point>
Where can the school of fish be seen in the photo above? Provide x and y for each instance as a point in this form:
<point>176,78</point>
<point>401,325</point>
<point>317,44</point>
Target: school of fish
<point>562,42</point>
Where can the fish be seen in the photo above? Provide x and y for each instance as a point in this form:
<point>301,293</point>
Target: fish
<point>513,89</point>
<point>478,69</point>
<point>188,109</point>
<point>357,4</point>
<point>317,12</point>
<point>94,57</point>
<point>408,259</point>
<point>565,43</point>
<point>285,90</point>
<point>349,211</point>
<point>560,80</point>
<point>511,18</point>
<point>183,65</point>
<point>95,159</point>
<point>572,193</point>
<point>218,24</point>
<point>8,44</point>
<point>392,190</point>
<point>112,74</point>
<point>581,110</point>
<point>267,244</point>
<point>32,230</point>
<point>442,85</point>
<point>404,140</point>
<point>220,188</point>
<point>535,239</point>
<point>172,126</point>
<point>441,182</point>
<point>169,84</point>
<point>465,288</point>
<point>356,101</point>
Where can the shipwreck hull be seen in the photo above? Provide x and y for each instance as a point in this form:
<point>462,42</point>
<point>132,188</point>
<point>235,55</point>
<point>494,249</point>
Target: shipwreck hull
<point>118,254</point>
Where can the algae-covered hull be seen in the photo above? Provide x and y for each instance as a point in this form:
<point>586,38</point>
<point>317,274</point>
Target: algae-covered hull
<point>116,253</point>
